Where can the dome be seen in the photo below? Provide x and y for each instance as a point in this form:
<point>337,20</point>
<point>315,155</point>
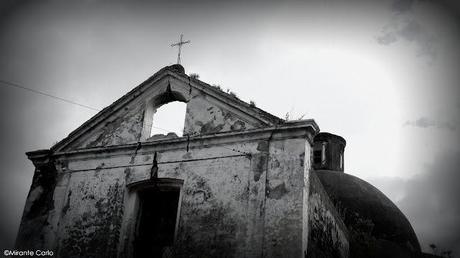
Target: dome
<point>368,213</point>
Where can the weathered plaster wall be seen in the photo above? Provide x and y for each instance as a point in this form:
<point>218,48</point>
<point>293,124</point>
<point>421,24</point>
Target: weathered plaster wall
<point>243,188</point>
<point>328,235</point>
<point>35,225</point>
<point>91,215</point>
<point>132,123</point>
<point>284,193</point>
<point>232,204</point>
<point>206,116</point>
<point>124,127</point>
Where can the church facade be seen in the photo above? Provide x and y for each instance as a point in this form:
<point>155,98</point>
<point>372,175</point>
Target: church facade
<point>239,182</point>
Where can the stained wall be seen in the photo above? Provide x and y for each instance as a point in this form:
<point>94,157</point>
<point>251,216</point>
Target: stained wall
<point>241,196</point>
<point>247,189</point>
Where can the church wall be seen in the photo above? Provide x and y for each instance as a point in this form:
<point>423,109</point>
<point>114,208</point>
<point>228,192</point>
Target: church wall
<point>245,185</point>
<point>328,235</point>
<point>232,204</point>
<point>91,214</point>
<point>124,127</point>
<point>204,116</point>
<point>36,231</point>
<point>284,193</point>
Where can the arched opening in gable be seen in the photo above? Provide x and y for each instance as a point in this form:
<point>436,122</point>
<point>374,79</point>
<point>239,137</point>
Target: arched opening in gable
<point>164,116</point>
<point>169,118</point>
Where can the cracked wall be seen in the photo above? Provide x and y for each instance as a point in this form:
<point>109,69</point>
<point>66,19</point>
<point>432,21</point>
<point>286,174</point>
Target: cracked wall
<point>243,192</point>
<point>283,207</point>
<point>91,216</point>
<point>232,204</point>
<point>132,123</point>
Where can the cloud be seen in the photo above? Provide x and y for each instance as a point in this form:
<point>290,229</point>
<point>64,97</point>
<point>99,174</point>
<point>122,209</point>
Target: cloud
<point>409,30</point>
<point>431,203</point>
<point>424,122</point>
<point>407,25</point>
<point>402,5</point>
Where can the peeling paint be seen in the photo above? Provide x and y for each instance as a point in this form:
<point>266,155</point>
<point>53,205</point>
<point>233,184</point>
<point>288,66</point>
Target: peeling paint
<point>204,117</point>
<point>95,232</point>
<point>259,165</point>
<point>277,192</point>
<point>67,204</point>
<point>231,204</point>
<point>124,127</point>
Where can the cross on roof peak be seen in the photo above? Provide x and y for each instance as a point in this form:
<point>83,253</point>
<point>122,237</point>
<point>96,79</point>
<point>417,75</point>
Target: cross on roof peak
<point>179,45</point>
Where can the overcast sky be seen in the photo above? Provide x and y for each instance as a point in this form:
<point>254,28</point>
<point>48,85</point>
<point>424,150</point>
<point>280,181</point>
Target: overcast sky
<point>382,74</point>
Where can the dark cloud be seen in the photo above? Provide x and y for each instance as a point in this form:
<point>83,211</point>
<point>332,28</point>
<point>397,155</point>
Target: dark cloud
<point>409,30</point>
<point>406,26</point>
<point>424,122</point>
<point>431,203</point>
<point>402,5</point>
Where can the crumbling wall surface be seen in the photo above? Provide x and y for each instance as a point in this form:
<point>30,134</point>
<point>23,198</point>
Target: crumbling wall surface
<point>327,236</point>
<point>284,193</point>
<point>214,211</point>
<point>130,121</point>
<point>205,116</point>
<point>123,127</point>
<point>305,196</point>
<point>35,229</point>
<point>242,196</point>
<point>231,206</point>
<point>90,217</point>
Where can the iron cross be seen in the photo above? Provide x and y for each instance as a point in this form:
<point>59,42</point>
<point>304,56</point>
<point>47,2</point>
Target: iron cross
<point>179,44</point>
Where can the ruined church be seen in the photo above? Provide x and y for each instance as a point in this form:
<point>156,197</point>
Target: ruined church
<point>239,182</point>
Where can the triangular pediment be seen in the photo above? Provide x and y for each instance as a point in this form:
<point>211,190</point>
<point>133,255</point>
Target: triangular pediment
<point>129,119</point>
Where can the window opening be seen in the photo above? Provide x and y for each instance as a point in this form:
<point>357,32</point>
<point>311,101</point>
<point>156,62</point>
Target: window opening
<point>317,156</point>
<point>169,118</point>
<point>323,153</point>
<point>341,160</point>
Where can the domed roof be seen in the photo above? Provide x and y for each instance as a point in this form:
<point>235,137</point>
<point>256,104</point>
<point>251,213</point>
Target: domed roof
<point>365,209</point>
